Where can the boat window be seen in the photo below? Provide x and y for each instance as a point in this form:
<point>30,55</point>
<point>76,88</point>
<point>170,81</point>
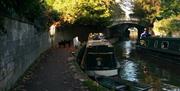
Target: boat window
<point>165,44</point>
<point>144,43</point>
<point>100,61</point>
<point>156,44</point>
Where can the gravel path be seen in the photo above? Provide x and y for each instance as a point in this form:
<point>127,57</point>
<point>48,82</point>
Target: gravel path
<point>51,73</point>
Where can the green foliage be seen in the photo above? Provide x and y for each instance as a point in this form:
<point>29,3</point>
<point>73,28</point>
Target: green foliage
<point>53,15</point>
<point>40,12</point>
<point>6,6</point>
<point>167,26</point>
<point>138,11</point>
<point>27,8</point>
<point>2,29</point>
<point>163,14</point>
<point>50,2</point>
<point>157,9</point>
<point>169,8</point>
<point>147,9</point>
<point>116,11</point>
<point>86,12</point>
<point>31,10</point>
<point>94,14</point>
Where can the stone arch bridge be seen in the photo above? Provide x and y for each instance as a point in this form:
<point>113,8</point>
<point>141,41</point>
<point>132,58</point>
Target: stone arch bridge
<point>119,28</point>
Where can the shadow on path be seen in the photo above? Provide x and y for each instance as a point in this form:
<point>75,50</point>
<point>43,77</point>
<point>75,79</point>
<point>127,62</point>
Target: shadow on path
<point>51,73</point>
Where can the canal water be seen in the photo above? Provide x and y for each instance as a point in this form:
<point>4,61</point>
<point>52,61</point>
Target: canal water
<point>161,73</point>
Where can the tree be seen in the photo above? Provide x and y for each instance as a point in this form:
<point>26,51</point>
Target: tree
<point>86,12</point>
<point>169,8</point>
<point>29,10</point>
<point>168,19</point>
<point>167,26</point>
<point>163,14</point>
<point>147,10</point>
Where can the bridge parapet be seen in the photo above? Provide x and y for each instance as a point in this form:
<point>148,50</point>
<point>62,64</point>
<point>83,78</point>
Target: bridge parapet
<point>123,20</point>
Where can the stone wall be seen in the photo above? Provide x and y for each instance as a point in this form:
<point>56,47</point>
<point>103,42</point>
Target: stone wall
<point>19,48</point>
<point>23,44</point>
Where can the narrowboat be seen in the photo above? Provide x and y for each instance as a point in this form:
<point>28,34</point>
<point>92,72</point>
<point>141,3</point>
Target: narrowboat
<point>165,46</point>
<point>98,58</point>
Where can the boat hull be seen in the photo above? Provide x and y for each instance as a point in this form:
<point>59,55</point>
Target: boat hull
<point>113,72</point>
<point>168,46</point>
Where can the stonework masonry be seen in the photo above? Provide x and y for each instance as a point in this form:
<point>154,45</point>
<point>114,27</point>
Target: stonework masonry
<point>19,48</point>
<point>22,44</point>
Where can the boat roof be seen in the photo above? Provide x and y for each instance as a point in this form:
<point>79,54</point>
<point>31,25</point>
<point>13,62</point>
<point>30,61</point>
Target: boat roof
<point>99,43</point>
<point>98,39</point>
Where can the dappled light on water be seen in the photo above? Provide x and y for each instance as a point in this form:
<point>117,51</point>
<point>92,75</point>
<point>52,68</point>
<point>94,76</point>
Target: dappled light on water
<point>127,47</point>
<point>129,71</point>
<point>147,69</point>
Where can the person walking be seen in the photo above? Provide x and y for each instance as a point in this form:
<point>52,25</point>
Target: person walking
<point>145,34</point>
<point>52,32</point>
<point>76,42</point>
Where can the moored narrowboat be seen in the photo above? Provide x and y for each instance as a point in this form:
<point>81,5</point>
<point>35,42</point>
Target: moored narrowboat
<point>99,59</point>
<point>168,46</point>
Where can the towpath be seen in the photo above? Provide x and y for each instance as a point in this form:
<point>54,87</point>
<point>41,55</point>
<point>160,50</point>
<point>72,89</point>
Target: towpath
<point>51,73</point>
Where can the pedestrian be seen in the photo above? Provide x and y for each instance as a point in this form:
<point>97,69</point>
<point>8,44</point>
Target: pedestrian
<point>52,32</point>
<point>76,42</point>
<point>145,34</point>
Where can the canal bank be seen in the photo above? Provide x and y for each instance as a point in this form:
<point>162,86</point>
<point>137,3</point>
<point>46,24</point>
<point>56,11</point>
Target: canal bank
<point>56,70</point>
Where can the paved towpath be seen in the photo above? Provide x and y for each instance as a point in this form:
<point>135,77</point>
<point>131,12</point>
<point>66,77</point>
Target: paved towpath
<point>51,73</point>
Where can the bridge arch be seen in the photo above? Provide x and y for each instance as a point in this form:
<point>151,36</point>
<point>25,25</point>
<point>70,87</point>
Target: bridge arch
<point>122,30</point>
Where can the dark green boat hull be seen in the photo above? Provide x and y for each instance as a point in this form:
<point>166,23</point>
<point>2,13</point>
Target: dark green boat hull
<point>169,46</point>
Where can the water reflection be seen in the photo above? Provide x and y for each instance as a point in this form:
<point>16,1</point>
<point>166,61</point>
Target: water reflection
<point>126,48</point>
<point>128,70</point>
<point>157,72</point>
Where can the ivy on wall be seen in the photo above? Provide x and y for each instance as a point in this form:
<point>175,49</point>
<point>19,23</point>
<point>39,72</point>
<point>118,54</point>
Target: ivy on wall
<point>32,11</point>
<point>2,29</point>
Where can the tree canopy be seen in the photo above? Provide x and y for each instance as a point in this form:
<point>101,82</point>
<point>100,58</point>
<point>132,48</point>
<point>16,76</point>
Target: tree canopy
<point>84,12</point>
<point>165,14</point>
<point>28,10</point>
<point>147,9</point>
<point>166,27</point>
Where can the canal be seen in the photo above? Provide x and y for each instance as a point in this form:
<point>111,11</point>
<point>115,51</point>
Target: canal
<point>161,73</point>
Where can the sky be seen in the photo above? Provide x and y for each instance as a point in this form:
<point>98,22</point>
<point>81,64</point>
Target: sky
<point>126,6</point>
